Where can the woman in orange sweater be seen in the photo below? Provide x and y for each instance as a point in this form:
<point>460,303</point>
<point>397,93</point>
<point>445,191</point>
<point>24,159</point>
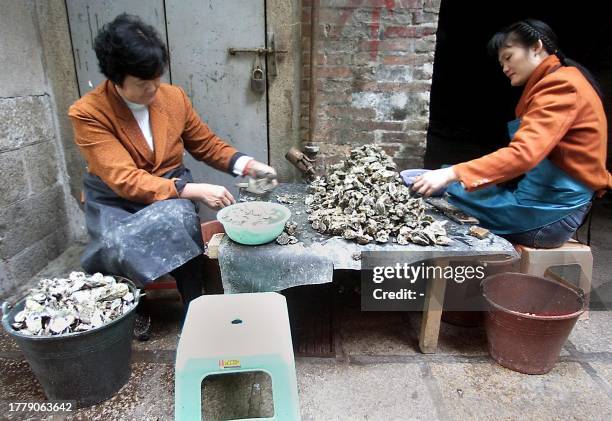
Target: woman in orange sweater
<point>141,203</point>
<point>558,142</point>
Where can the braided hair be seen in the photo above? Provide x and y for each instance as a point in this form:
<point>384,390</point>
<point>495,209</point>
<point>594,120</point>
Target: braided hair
<point>528,32</point>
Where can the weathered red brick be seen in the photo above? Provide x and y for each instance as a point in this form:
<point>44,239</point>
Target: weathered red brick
<point>336,59</point>
<point>418,86</point>
<point>334,85</point>
<point>402,32</point>
<point>414,59</point>
<point>404,44</point>
<point>412,137</point>
<point>334,71</point>
<point>340,111</point>
<point>333,98</point>
<point>377,125</point>
<point>348,4</point>
<point>413,4</point>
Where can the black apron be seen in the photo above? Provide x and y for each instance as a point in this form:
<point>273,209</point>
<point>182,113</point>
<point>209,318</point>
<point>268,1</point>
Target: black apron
<point>138,241</point>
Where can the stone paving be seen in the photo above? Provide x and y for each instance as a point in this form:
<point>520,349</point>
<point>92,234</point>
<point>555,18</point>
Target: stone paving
<point>377,373</point>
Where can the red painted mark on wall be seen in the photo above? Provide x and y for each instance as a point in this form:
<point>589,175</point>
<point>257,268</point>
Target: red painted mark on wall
<point>373,26</point>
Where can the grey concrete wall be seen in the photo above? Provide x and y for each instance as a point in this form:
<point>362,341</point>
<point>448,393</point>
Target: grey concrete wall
<point>34,196</point>
<point>58,60</point>
<point>283,18</point>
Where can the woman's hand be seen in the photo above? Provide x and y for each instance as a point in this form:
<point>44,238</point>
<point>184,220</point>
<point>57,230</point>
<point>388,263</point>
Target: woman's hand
<point>264,176</point>
<point>432,181</point>
<point>257,169</point>
<point>213,196</point>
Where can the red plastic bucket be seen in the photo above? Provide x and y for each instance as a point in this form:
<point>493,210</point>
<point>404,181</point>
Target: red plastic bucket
<point>529,320</point>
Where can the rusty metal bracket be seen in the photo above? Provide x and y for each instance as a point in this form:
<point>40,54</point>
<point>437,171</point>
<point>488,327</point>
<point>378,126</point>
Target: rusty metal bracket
<point>258,51</point>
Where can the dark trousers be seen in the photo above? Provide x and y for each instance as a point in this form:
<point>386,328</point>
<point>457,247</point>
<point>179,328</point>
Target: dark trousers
<point>189,277</point>
<point>189,281</point>
<point>552,235</point>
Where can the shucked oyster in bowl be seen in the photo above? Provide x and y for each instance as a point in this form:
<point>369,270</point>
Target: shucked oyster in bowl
<point>254,223</point>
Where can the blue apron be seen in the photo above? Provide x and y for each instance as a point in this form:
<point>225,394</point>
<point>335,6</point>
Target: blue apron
<point>545,195</point>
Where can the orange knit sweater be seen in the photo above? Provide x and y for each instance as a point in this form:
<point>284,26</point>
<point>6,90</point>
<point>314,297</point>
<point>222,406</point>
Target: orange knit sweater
<point>562,119</point>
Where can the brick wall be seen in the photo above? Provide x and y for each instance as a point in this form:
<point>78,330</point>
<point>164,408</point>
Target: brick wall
<point>372,63</point>
<point>306,33</point>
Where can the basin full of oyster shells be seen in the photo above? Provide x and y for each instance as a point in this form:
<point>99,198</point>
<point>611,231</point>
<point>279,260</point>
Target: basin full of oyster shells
<point>254,223</point>
<point>74,304</point>
<point>364,199</point>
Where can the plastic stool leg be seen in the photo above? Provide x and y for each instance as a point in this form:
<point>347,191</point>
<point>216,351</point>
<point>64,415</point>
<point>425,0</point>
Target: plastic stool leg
<point>285,395</point>
<point>187,398</point>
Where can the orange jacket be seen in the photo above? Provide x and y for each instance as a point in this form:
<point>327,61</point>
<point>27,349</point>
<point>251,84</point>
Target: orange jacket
<point>562,119</point>
<point>112,143</point>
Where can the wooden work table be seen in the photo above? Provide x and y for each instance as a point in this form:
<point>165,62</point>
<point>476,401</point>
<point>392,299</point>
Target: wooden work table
<point>272,267</point>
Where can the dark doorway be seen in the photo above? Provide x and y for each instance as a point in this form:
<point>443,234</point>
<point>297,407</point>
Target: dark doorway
<point>471,99</point>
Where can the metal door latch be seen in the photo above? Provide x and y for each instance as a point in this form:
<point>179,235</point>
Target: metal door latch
<point>271,51</point>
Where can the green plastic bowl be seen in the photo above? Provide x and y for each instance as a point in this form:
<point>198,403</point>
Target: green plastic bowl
<point>254,234</point>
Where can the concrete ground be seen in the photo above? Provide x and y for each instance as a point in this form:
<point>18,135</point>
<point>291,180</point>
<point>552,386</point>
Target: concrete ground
<point>377,374</point>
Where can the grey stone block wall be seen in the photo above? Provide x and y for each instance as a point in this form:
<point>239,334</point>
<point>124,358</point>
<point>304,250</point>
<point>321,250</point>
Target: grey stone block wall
<point>38,214</point>
<point>21,62</point>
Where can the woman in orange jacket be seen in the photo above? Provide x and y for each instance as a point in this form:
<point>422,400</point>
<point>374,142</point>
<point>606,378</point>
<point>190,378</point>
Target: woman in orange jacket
<point>558,142</point>
<point>140,201</point>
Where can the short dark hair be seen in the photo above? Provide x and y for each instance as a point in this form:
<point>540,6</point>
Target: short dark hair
<point>128,46</point>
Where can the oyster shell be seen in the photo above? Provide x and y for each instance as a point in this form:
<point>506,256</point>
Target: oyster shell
<point>382,236</point>
<point>283,239</point>
<point>288,235</point>
<point>291,227</point>
<point>287,198</point>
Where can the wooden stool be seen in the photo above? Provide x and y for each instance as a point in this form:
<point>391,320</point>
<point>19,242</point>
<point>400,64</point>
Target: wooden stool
<point>538,262</point>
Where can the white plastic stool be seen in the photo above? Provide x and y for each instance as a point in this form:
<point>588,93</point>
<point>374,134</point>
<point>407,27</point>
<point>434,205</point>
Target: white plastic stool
<point>538,261</point>
<point>236,333</point>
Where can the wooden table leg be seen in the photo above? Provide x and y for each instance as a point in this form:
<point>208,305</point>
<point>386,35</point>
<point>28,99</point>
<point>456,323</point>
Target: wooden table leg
<point>432,313</point>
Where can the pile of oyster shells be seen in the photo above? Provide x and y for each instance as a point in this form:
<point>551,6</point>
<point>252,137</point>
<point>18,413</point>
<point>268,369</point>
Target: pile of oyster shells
<point>364,199</point>
<point>76,304</point>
